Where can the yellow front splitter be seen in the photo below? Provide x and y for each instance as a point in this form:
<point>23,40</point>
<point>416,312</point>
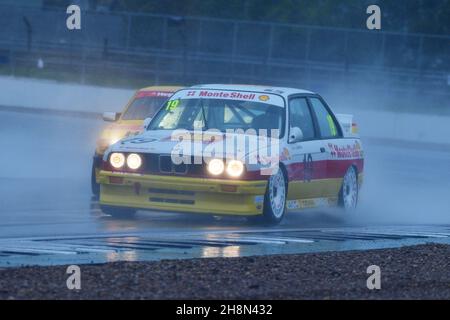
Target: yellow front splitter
<point>182,194</point>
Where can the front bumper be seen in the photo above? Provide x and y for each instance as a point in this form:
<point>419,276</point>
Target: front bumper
<point>182,194</point>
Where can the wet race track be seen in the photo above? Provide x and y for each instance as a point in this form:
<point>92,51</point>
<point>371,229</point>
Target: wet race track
<point>49,217</point>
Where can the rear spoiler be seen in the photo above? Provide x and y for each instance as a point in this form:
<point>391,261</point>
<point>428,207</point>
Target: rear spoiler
<point>348,125</point>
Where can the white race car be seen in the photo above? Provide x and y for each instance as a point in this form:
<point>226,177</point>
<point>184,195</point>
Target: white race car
<point>236,150</point>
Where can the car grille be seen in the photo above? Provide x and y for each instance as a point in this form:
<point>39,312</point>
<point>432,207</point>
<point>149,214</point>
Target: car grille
<point>163,164</point>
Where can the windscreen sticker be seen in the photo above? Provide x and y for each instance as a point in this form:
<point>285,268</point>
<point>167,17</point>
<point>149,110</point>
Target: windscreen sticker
<point>172,104</point>
<point>163,94</point>
<point>332,126</point>
<point>231,95</point>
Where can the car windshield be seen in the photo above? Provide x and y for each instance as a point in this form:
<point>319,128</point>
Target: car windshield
<point>218,114</point>
<point>143,107</point>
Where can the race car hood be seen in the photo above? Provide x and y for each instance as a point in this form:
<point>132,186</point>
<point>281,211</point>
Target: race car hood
<point>166,141</point>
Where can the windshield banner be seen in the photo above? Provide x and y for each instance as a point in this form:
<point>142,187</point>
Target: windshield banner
<point>267,98</point>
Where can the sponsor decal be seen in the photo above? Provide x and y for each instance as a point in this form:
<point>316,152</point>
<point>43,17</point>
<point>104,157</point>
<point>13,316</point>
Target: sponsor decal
<point>346,152</point>
<point>292,204</point>
<point>226,94</point>
<point>307,203</point>
<point>259,199</point>
<point>231,95</point>
<point>285,155</point>
<point>140,140</point>
<point>163,94</point>
<point>131,133</point>
<point>311,203</point>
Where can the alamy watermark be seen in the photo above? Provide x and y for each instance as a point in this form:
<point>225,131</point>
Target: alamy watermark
<point>73,21</point>
<point>374,280</point>
<point>73,282</point>
<point>373,22</point>
<point>253,147</point>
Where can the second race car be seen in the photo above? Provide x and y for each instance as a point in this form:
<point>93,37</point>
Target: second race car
<point>143,105</point>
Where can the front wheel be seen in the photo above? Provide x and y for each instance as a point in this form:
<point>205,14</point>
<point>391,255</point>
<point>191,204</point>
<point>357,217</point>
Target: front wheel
<point>348,195</point>
<point>275,199</point>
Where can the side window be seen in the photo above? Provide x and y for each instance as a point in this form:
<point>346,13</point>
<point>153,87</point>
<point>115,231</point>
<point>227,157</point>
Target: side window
<point>300,116</point>
<point>327,125</point>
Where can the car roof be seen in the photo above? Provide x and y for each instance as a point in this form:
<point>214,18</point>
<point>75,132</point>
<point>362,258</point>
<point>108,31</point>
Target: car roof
<point>162,88</point>
<point>283,91</point>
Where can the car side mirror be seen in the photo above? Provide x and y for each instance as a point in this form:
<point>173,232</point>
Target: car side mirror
<point>111,116</point>
<point>295,135</point>
<point>146,123</point>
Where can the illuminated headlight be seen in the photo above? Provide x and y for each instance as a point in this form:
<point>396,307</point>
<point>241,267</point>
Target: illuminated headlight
<point>117,160</point>
<point>235,168</point>
<point>134,161</point>
<point>216,167</point>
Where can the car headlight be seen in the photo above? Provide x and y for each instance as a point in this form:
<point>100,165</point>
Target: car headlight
<point>235,168</point>
<point>216,167</point>
<point>134,161</point>
<point>117,160</point>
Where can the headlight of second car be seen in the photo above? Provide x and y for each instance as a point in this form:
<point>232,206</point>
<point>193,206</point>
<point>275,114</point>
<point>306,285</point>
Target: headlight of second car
<point>134,161</point>
<point>235,168</point>
<point>117,160</point>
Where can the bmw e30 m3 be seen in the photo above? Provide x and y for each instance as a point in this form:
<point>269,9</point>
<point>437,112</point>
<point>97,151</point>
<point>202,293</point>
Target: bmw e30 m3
<point>144,103</point>
<point>236,150</point>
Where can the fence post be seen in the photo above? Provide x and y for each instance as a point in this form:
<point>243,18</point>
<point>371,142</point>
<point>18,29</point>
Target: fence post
<point>307,53</point>
<point>308,44</point>
<point>270,43</point>
<point>12,63</point>
<point>383,48</point>
<point>83,65</point>
<point>420,55</point>
<point>164,33</point>
<point>233,49</point>
<point>128,32</point>
<point>199,35</point>
<point>269,49</point>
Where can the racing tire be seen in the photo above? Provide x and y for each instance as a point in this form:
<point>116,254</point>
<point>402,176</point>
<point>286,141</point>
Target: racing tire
<point>348,195</point>
<point>275,199</point>
<point>118,212</point>
<point>95,187</point>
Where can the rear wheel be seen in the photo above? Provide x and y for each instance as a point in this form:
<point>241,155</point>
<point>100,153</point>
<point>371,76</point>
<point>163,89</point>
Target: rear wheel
<point>118,212</point>
<point>275,198</point>
<point>348,196</point>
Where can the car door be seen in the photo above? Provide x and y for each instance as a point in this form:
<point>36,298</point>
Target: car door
<point>331,137</point>
<point>306,155</point>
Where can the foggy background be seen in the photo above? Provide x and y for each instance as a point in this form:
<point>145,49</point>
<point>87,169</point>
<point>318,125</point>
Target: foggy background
<point>396,81</point>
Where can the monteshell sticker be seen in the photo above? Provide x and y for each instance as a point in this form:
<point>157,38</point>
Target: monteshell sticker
<point>268,98</point>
